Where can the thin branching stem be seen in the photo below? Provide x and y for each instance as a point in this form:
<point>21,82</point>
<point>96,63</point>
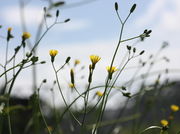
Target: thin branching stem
<point>59,87</point>
<point>86,98</point>
<point>131,38</point>
<point>41,113</point>
<point>107,81</point>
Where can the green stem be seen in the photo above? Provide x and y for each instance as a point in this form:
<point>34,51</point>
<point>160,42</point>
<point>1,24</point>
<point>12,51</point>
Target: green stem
<point>6,79</point>
<point>9,118</point>
<point>59,87</point>
<point>86,98</point>
<point>9,92</point>
<point>9,70</point>
<point>131,38</point>
<point>40,110</point>
<point>108,80</point>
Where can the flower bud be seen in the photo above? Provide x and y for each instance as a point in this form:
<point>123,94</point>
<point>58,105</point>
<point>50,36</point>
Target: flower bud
<point>116,6</point>
<point>133,8</point>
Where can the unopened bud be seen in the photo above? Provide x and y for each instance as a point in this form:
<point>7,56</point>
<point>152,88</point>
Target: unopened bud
<point>133,8</point>
<point>44,81</point>
<point>141,52</point>
<point>68,59</point>
<point>57,13</point>
<point>116,6</point>
<point>67,20</point>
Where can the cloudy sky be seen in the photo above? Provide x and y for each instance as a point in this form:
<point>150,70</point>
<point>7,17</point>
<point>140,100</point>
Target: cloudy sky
<point>94,29</point>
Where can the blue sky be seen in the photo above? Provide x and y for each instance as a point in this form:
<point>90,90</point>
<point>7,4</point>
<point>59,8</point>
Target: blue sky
<point>94,29</point>
<point>94,21</point>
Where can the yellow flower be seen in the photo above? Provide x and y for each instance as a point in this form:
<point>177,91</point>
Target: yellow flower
<point>9,35</point>
<point>53,53</point>
<point>9,29</point>
<point>98,93</point>
<point>174,108</point>
<point>76,62</point>
<point>94,59</point>
<point>26,35</point>
<point>71,85</point>
<point>164,122</point>
<point>111,69</point>
<point>49,128</point>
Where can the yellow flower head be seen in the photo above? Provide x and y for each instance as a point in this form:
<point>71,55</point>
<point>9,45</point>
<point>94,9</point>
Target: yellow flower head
<point>49,128</point>
<point>9,29</point>
<point>164,122</point>
<point>111,70</point>
<point>9,35</point>
<point>174,108</point>
<point>71,85</point>
<point>94,59</point>
<point>98,93</point>
<point>76,62</point>
<point>53,53</point>
<point>26,35</point>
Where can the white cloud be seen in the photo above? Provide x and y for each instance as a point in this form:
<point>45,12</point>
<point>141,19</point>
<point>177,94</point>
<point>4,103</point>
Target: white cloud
<point>151,13</point>
<point>34,15</point>
<point>11,15</point>
<point>162,14</point>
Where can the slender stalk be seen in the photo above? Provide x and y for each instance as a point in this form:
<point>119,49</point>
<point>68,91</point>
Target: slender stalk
<point>74,102</point>
<point>126,102</point>
<point>59,87</point>
<point>9,92</point>
<point>41,113</point>
<point>86,98</point>
<point>131,38</point>
<point>5,65</point>
<point>9,118</point>
<point>54,110</point>
<point>103,104</point>
<point>108,80</point>
<point>37,43</point>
